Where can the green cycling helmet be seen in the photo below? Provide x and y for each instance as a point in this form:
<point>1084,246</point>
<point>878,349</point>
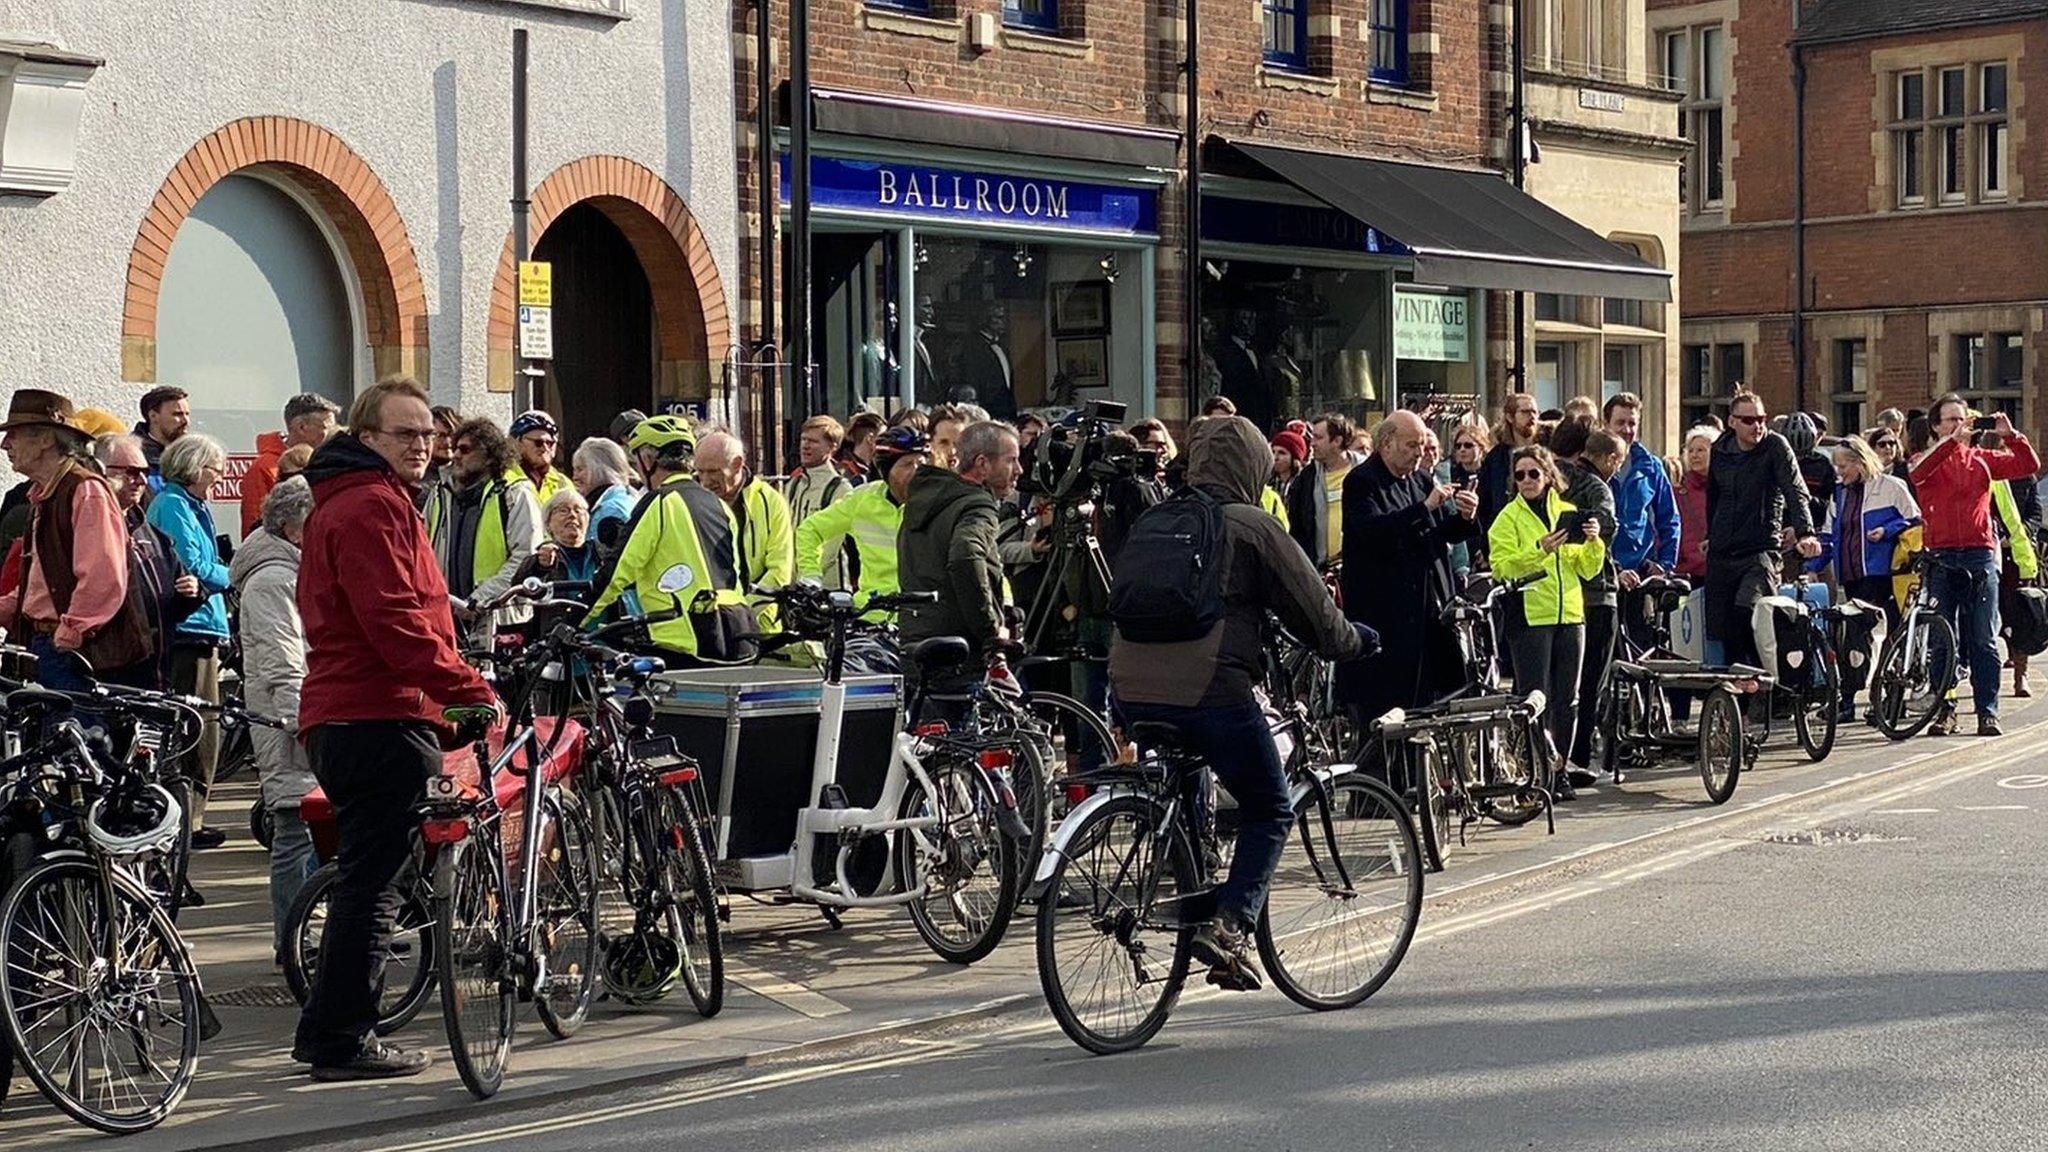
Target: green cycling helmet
<point>658,432</point>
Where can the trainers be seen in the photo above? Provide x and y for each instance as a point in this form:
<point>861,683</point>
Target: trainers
<point>1581,778</point>
<point>207,838</point>
<point>1227,952</point>
<point>376,1061</point>
<point>1561,789</point>
<point>1988,726</point>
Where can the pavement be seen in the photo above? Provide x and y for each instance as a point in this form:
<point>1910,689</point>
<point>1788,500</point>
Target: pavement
<point>1653,956</point>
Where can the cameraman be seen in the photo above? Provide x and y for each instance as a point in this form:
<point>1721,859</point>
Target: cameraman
<point>1204,685</point>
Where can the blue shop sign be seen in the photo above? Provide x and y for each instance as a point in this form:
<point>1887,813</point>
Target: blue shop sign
<point>1229,220</point>
<point>881,187</point>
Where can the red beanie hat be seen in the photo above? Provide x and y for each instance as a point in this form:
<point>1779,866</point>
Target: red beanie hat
<point>1292,443</point>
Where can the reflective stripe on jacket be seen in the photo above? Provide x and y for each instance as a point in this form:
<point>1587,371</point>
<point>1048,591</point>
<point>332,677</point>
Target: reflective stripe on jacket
<point>665,563</point>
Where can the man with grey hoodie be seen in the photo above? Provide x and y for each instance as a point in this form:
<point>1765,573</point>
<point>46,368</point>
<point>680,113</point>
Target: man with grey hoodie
<point>1204,686</point>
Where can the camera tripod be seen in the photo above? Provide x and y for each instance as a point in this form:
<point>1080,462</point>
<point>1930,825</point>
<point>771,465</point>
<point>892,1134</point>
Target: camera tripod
<point>1075,562</point>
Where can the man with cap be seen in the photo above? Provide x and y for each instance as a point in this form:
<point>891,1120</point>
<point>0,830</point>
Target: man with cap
<point>872,516</point>
<point>309,420</point>
<point>535,435</point>
<point>622,425</point>
<point>74,600</point>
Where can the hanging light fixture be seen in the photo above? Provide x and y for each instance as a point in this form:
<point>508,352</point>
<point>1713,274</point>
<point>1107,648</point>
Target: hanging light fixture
<point>1023,261</point>
<point>1109,267</point>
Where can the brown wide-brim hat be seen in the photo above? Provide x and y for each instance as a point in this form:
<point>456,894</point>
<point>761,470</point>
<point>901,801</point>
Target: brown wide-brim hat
<point>35,408</point>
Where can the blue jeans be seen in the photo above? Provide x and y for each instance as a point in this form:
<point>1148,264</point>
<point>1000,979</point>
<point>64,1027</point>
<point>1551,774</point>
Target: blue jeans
<point>1964,582</point>
<point>292,860</point>
<point>1239,748</point>
<point>55,670</point>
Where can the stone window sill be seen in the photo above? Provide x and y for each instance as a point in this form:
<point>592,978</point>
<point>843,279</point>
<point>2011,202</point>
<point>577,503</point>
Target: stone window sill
<point>909,24</point>
<point>1291,81</point>
<point>602,9</point>
<point>1380,92</point>
<point>1025,40</point>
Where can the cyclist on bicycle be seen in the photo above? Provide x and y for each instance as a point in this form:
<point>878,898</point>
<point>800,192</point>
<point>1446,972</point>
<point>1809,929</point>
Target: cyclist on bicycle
<point>1203,684</point>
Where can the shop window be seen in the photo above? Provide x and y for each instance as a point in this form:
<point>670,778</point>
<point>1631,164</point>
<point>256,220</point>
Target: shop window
<point>1625,313</point>
<point>1553,376</point>
<point>1286,27</point>
<point>920,7</point>
<point>1388,26</point>
<point>1950,135</point>
<point>1852,386</point>
<point>1696,67</point>
<point>1036,15</point>
<point>1708,374</point>
<point>1621,370</point>
<point>1285,341</point>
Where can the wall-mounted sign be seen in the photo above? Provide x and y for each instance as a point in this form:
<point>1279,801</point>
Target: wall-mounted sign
<point>1229,220</point>
<point>886,187</point>
<point>1432,325</point>
<point>536,333</point>
<point>1602,101</point>
<point>537,283</point>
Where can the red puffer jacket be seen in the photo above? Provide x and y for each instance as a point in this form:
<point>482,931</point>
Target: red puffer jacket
<point>380,643</point>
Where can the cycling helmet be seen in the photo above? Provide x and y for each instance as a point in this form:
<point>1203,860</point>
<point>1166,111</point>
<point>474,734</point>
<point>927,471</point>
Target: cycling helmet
<point>658,432</point>
<point>901,440</point>
<point>534,421</point>
<point>135,822</point>
<point>1802,433</point>
<point>641,967</point>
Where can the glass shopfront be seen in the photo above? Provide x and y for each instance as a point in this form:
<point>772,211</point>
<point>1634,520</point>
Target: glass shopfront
<point>969,285</point>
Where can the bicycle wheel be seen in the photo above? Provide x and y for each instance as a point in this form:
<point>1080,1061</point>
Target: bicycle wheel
<point>1914,675</point>
<point>964,865</point>
<point>1346,897</point>
<point>1504,759</point>
<point>1819,705</point>
<point>99,994</point>
<point>1112,954</point>
<point>478,994</point>
<point>700,938</point>
<point>1031,782</point>
<point>408,958</point>
<point>565,916</point>
<point>1434,809</point>
<point>1721,744</point>
<point>1615,722</point>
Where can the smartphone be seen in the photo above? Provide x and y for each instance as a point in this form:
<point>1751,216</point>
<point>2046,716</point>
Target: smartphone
<point>1573,524</point>
<point>1985,424</point>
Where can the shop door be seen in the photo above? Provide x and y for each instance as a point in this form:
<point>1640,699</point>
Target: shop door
<point>604,325</point>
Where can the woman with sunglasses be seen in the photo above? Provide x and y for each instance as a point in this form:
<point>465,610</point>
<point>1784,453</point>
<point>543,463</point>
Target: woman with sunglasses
<point>1538,534</point>
<point>1871,510</point>
<point>1884,443</point>
<point>1469,446</point>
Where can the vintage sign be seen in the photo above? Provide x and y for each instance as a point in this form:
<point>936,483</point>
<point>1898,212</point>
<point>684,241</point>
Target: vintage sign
<point>1432,325</point>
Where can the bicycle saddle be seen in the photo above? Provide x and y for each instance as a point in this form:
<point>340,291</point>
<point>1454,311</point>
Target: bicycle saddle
<point>936,652</point>
<point>1165,739</point>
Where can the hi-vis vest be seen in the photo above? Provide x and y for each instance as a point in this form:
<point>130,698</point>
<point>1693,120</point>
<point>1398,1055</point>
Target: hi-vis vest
<point>663,565</point>
<point>490,550</point>
<point>872,520</point>
<point>2016,538</point>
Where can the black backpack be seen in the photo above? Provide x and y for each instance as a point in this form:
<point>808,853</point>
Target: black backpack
<point>1168,585</point>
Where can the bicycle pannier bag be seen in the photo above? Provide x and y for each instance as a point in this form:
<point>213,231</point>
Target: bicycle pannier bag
<point>2025,613</point>
<point>1781,623</point>
<point>1168,585</point>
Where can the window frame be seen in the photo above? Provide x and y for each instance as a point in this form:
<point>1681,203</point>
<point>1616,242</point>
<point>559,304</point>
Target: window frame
<point>913,7</point>
<point>1294,15</point>
<point>1851,378</point>
<point>1711,388</point>
<point>1703,100</point>
<point>1978,371</point>
<point>1046,22</point>
<point>1941,152</point>
<point>1395,27</point>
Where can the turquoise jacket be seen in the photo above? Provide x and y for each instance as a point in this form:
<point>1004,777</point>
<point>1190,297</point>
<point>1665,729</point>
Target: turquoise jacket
<point>187,523</point>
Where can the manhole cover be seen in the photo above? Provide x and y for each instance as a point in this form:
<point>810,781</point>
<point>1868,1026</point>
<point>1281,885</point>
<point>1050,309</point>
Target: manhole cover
<point>269,996</point>
<point>1826,837</point>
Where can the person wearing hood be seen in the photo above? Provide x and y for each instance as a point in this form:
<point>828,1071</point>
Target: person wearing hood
<point>1205,686</point>
<point>265,573</point>
<point>384,682</point>
<point>1756,506</point>
<point>948,540</point>
<point>1399,525</point>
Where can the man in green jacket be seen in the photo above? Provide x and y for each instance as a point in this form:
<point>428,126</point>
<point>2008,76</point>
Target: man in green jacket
<point>767,542</point>
<point>948,543</point>
<point>871,517</point>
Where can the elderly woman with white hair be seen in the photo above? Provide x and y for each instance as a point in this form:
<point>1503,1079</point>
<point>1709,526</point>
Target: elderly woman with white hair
<point>266,577</point>
<point>604,476</point>
<point>191,466</point>
<point>566,551</point>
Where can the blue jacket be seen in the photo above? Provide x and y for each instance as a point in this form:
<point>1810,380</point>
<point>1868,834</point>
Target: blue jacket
<point>1888,505</point>
<point>610,514</point>
<point>1647,513</point>
<point>187,523</point>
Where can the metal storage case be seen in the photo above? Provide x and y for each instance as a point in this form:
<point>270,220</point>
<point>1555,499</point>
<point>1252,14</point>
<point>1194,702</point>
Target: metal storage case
<point>754,732</point>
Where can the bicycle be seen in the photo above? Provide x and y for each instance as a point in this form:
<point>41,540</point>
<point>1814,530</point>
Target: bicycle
<point>1918,666</point>
<point>102,1002</point>
<point>1125,883</point>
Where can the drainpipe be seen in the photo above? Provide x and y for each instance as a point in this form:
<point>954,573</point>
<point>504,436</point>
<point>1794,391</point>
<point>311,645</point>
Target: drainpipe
<point>767,401</point>
<point>1193,337</point>
<point>799,288</point>
<point>1518,161</point>
<point>523,369</point>
<point>1798,222</point>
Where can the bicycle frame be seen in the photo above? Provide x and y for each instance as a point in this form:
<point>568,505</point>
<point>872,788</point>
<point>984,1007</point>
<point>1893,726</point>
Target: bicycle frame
<point>814,821</point>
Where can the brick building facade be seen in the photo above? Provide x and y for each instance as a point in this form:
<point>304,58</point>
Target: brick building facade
<point>1923,210</point>
<point>950,101</point>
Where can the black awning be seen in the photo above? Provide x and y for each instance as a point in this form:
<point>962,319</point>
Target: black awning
<point>843,112</point>
<point>1467,228</point>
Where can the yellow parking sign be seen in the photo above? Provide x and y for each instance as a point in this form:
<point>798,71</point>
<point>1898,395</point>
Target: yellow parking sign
<point>536,283</point>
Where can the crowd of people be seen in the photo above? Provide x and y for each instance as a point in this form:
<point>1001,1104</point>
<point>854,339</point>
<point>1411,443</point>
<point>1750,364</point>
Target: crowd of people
<point>379,545</point>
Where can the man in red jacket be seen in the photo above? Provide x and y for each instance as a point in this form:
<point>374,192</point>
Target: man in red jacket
<point>382,679</point>
<point>1953,482</point>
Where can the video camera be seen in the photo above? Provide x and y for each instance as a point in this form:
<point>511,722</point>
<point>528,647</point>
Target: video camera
<point>1075,455</point>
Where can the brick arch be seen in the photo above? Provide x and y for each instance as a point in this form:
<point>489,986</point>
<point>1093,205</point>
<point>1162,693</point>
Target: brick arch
<point>692,323</point>
<point>356,204</point>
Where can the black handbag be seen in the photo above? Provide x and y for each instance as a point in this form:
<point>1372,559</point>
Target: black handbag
<point>2024,613</point>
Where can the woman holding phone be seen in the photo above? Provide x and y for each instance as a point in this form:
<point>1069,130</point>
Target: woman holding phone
<point>1539,534</point>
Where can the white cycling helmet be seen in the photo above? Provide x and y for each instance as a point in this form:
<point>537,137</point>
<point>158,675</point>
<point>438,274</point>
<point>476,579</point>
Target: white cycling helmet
<point>135,823</point>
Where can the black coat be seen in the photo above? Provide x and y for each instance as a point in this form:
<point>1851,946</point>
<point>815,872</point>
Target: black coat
<point>1753,496</point>
<point>977,366</point>
<point>1397,578</point>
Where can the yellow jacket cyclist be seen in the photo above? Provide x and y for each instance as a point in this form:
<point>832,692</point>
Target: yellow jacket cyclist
<point>871,517</point>
<point>1539,535</point>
